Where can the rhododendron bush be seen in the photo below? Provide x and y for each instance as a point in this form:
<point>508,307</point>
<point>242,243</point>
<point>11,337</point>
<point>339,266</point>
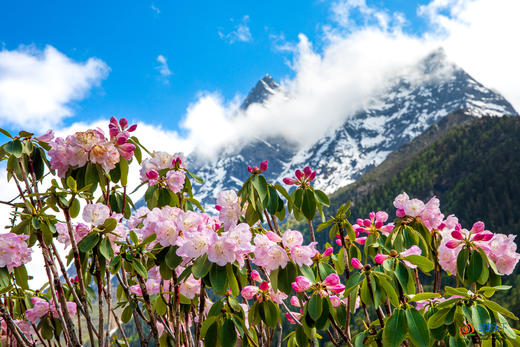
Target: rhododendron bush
<point>236,275</point>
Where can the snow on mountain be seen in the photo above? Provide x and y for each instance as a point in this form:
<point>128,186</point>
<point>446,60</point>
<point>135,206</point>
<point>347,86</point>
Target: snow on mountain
<point>411,103</point>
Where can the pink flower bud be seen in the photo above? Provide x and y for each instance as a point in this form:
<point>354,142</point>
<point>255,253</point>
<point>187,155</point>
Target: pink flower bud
<point>178,162</point>
<point>250,169</point>
<point>121,140</point>
<point>301,284</point>
<point>47,137</point>
<point>123,123</point>
<point>113,120</point>
<point>113,131</point>
<point>290,181</point>
<point>132,128</point>
<point>334,300</point>
<point>359,222</point>
<point>264,165</point>
<point>372,215</point>
<point>356,263</point>
<point>380,258</point>
<point>312,176</point>
<point>218,208</point>
<point>451,244</point>
<point>338,288</point>
<point>457,235</point>
<point>294,301</point>
<point>328,251</point>
<point>152,174</point>
<point>379,225</point>
<point>272,236</point>
<point>248,292</point>
<point>264,286</point>
<point>478,227</point>
<point>307,171</point>
<point>331,280</point>
<point>338,242</point>
<point>290,319</point>
<point>298,174</point>
<point>485,236</point>
<point>367,223</point>
<point>361,240</point>
<point>256,276</point>
<point>400,213</point>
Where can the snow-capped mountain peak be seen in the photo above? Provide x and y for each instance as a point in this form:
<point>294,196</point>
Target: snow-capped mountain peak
<point>410,104</point>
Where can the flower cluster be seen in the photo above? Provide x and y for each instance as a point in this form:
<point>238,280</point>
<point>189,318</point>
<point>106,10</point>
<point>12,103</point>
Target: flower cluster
<point>41,307</point>
<point>258,170</point>
<point>271,255</point>
<point>228,205</point>
<point>429,213</point>
<point>189,287</point>
<point>373,224</point>
<point>263,292</point>
<point>14,251</point>
<point>414,250</point>
<point>302,178</point>
<point>92,146</point>
<point>24,326</point>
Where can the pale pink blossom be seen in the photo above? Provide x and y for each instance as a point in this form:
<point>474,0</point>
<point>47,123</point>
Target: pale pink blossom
<point>96,214</point>
<point>14,251</point>
<point>175,180</point>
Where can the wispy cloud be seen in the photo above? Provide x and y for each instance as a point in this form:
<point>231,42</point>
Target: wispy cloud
<point>156,9</point>
<point>241,32</point>
<point>163,68</point>
<point>37,87</point>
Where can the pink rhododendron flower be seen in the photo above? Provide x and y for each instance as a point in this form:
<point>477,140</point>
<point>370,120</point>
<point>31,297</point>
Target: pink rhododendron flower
<point>40,308</point>
<point>175,180</point>
<point>414,250</point>
<point>190,287</point>
<point>380,258</point>
<point>301,284</point>
<point>401,200</point>
<point>221,250</point>
<point>47,137</point>
<point>302,255</point>
<point>96,214</point>
<point>14,251</point>
<point>256,276</point>
<point>413,207</point>
<point>292,238</point>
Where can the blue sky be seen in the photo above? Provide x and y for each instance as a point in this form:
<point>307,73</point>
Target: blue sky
<point>182,67</point>
<point>129,36</point>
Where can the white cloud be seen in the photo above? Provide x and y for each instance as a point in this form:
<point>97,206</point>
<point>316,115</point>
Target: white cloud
<point>241,33</point>
<point>37,87</point>
<point>163,68</point>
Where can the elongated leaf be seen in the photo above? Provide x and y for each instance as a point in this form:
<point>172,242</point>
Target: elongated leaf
<point>425,264</point>
<point>395,329</point>
<point>89,242</point>
<point>417,328</point>
<point>105,248</point>
<point>493,306</point>
<point>20,274</point>
<point>123,167</point>
<point>228,335</point>
<point>321,198</point>
<point>232,280</point>
<point>140,269</point>
<point>218,278</point>
<point>309,204</point>
<point>475,266</point>
<point>201,267</point>
<point>437,319</point>
<point>315,307</point>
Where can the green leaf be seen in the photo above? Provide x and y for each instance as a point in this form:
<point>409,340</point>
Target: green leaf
<point>260,185</point>
<point>286,276</point>
<point>110,224</point>
<point>417,328</point>
<point>479,316</point>
<point>425,264</point>
<point>105,248</point>
<point>309,204</point>
<point>20,274</point>
<point>127,314</point>
<point>123,166</point>
<point>89,242</point>
<point>462,261</point>
<point>270,312</point>
<point>14,147</point>
<point>390,291</point>
<point>211,337</point>
<point>307,272</point>
<point>401,272</point>
<point>456,291</point>
<point>140,269</point>
<point>475,267</point>
<point>228,334</point>
<point>172,259</point>
<point>424,296</point>
<point>394,331</point>
<point>71,183</point>
<point>232,280</point>
<point>321,198</point>
<point>4,277</point>
<point>6,133</point>
<point>493,306</point>
<point>437,319</point>
<point>201,267</point>
<point>160,306</point>
<point>218,278</point>
<point>74,208</point>
<point>315,307</point>
<point>206,324</point>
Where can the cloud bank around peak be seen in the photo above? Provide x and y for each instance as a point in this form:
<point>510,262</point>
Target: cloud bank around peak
<point>38,86</point>
<point>361,49</point>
